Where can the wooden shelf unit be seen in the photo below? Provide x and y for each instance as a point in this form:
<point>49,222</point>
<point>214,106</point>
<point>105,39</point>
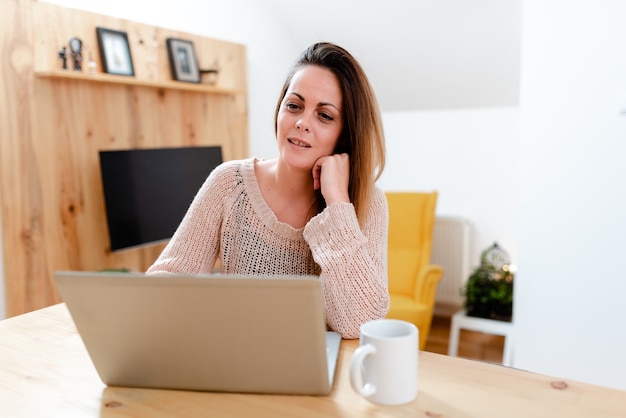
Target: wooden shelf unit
<point>134,81</point>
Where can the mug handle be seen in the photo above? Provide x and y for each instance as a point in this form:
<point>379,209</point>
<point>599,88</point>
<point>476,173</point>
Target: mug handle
<point>356,371</point>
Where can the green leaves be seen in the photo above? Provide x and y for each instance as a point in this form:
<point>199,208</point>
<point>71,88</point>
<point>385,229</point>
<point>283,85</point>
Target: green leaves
<point>489,293</point>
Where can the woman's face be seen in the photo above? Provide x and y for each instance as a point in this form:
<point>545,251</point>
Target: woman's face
<point>309,120</point>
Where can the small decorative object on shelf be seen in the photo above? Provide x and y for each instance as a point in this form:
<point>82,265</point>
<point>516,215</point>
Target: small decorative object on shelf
<point>489,290</point>
<point>76,51</point>
<point>183,62</point>
<point>63,57</point>
<point>115,52</point>
<point>210,75</point>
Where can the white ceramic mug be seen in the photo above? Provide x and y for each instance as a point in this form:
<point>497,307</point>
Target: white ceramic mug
<point>384,367</point>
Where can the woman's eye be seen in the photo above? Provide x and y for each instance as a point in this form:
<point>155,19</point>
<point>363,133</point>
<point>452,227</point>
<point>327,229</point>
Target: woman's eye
<point>326,117</point>
<point>292,106</point>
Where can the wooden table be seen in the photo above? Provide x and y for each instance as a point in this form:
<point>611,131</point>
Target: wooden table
<point>46,372</point>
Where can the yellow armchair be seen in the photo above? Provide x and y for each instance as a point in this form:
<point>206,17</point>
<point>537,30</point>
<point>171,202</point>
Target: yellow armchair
<point>412,279</point>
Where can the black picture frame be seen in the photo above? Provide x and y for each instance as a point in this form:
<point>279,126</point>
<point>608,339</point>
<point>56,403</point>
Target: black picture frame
<point>183,62</point>
<point>115,52</point>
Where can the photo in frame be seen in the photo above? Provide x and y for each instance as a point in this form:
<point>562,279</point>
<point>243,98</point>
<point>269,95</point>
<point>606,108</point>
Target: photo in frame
<point>115,52</point>
<point>183,62</point>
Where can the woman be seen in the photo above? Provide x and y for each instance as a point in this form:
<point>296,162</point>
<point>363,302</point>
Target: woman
<point>315,209</point>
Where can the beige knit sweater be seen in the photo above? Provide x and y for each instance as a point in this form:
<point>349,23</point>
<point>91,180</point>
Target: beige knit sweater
<point>230,219</point>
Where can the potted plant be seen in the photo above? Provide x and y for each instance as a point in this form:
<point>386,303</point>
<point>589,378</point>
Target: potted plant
<point>488,292</point>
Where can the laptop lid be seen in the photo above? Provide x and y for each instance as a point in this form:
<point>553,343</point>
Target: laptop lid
<point>203,332</point>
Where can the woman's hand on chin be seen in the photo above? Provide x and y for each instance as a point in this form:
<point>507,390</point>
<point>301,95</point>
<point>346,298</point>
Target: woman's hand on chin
<point>331,174</point>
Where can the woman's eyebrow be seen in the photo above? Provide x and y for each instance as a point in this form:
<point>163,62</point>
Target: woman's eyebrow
<point>319,104</point>
<point>299,96</point>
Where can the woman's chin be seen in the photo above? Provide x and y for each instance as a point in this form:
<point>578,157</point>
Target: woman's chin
<point>298,162</point>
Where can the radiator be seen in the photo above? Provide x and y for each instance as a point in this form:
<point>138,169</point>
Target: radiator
<point>451,250</point>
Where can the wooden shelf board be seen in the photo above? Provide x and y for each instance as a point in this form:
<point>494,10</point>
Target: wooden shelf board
<point>133,81</point>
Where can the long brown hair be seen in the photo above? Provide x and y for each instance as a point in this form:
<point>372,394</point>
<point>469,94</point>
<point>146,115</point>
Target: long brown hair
<point>362,136</point>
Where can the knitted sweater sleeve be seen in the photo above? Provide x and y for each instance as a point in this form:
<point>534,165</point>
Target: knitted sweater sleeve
<point>353,262</point>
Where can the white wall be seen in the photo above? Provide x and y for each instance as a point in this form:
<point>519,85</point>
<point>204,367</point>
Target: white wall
<point>470,157</point>
<point>570,288</point>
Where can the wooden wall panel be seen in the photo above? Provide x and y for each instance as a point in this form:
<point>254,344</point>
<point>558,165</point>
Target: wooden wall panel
<point>21,225</point>
<point>51,130</point>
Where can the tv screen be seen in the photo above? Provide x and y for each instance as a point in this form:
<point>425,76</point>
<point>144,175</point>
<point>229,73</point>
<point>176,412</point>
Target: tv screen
<point>148,191</point>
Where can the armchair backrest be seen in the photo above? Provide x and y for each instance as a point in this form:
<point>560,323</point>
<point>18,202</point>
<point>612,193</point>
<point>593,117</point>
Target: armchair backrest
<point>411,223</point>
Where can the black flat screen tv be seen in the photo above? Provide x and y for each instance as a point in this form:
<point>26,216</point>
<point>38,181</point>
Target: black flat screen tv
<point>148,191</point>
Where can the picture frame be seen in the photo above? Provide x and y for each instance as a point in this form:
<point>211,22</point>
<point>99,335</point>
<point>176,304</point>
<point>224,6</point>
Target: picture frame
<point>183,62</point>
<point>115,52</point>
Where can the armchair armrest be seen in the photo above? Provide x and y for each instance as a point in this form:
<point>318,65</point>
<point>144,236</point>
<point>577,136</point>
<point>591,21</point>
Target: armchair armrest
<point>426,283</point>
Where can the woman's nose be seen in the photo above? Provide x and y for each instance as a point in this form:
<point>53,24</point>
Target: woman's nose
<point>302,124</point>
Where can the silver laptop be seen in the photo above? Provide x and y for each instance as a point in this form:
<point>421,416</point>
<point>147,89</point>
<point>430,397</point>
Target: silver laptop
<point>206,333</point>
